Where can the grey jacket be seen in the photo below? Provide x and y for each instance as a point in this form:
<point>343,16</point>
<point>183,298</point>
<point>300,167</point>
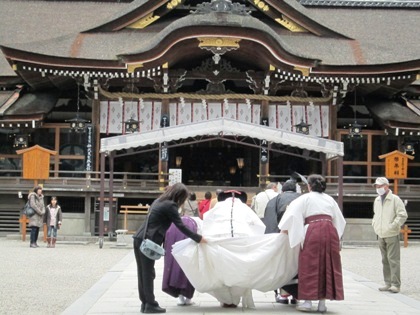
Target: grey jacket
<point>388,216</point>
<point>37,203</point>
<point>275,209</point>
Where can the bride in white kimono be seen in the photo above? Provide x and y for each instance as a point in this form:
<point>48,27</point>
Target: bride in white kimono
<point>238,256</point>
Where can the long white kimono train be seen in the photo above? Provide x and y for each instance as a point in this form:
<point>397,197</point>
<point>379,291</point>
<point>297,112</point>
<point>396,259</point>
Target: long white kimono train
<point>238,256</point>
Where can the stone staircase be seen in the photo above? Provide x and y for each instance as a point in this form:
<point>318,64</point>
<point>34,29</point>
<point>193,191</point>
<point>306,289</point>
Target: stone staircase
<point>414,225</point>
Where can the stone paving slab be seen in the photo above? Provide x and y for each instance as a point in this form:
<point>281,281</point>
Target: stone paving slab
<point>116,293</point>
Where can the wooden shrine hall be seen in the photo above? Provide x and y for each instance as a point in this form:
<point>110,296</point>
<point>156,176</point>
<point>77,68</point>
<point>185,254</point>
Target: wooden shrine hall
<point>135,95</point>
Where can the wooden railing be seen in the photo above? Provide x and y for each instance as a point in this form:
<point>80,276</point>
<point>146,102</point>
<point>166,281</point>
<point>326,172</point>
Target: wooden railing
<point>136,183</point>
<point>132,209</point>
<point>70,181</point>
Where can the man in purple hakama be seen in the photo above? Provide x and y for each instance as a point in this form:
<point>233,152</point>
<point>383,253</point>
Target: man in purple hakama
<point>175,283</point>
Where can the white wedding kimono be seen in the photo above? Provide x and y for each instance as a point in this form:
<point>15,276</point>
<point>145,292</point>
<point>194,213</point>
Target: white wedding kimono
<point>238,256</point>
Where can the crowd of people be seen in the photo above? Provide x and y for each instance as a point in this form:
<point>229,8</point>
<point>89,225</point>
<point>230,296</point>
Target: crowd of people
<point>286,241</point>
<point>225,248</point>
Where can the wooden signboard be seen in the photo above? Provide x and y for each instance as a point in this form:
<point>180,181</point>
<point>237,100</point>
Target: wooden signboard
<point>36,162</point>
<point>396,164</point>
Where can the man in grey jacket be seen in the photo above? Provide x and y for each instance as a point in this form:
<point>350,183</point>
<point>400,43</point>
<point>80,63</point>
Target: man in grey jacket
<point>273,213</point>
<point>388,215</point>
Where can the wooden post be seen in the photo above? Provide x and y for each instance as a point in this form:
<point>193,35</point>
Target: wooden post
<point>396,186</point>
<point>45,232</point>
<point>23,221</point>
<point>405,231</point>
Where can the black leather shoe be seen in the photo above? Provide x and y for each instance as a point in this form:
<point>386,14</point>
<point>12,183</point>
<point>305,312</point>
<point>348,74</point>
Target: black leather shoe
<point>142,308</point>
<point>154,309</point>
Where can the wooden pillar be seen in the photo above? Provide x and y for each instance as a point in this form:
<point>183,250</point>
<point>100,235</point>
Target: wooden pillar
<point>96,131</point>
<point>163,166</point>
<point>334,134</point>
<point>111,193</point>
<point>263,175</point>
<point>45,230</point>
<point>264,168</point>
<point>340,182</point>
<point>23,222</point>
<point>163,150</point>
<point>405,231</point>
<point>87,228</point>
<point>102,199</point>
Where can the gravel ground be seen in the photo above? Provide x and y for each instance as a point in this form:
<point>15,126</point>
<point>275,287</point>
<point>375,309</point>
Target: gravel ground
<point>47,281</point>
<point>366,262</point>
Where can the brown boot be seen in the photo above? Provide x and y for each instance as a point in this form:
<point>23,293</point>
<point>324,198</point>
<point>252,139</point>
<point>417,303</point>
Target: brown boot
<point>53,242</point>
<point>48,242</point>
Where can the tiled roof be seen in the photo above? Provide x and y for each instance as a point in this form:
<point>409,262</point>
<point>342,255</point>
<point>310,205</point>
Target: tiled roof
<point>34,21</point>
<point>381,36</point>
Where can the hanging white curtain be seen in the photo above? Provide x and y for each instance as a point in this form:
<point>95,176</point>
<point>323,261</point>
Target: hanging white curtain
<point>113,114</point>
<point>148,113</point>
<point>198,111</point>
<point>286,116</point>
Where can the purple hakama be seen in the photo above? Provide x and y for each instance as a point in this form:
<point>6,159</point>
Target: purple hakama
<point>175,282</point>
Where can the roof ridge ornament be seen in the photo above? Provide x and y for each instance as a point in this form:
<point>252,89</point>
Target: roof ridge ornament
<point>223,6</point>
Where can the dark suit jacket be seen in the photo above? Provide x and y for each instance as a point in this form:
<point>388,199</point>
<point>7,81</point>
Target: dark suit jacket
<point>161,215</point>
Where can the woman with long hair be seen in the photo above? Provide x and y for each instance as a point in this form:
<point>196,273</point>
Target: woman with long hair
<point>162,213</point>
<point>36,201</point>
<point>53,218</point>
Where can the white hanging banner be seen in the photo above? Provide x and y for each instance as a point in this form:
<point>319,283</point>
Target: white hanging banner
<point>198,111</point>
<point>286,116</point>
<point>113,114</point>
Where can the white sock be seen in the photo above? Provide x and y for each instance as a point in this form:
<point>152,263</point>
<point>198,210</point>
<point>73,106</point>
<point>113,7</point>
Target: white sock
<point>321,306</point>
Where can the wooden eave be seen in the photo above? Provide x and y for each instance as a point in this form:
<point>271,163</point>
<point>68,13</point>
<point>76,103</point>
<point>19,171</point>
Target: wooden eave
<point>15,55</point>
<point>412,67</point>
<point>36,147</point>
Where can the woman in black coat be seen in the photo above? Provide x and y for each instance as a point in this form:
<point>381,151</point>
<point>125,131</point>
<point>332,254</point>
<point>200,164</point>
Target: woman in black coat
<point>162,213</point>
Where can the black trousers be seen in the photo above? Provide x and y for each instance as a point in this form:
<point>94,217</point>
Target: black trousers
<point>34,234</point>
<point>145,275</point>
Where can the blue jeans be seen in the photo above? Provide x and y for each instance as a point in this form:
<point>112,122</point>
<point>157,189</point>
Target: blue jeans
<point>34,234</point>
<point>52,229</point>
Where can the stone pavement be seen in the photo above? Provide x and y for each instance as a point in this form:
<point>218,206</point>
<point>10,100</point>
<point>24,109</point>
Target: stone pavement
<point>116,293</point>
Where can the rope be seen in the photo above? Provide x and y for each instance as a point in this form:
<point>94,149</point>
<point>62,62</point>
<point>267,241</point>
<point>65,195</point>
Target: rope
<point>254,97</point>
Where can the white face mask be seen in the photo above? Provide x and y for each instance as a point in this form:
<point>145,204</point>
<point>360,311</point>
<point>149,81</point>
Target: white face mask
<point>380,191</point>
